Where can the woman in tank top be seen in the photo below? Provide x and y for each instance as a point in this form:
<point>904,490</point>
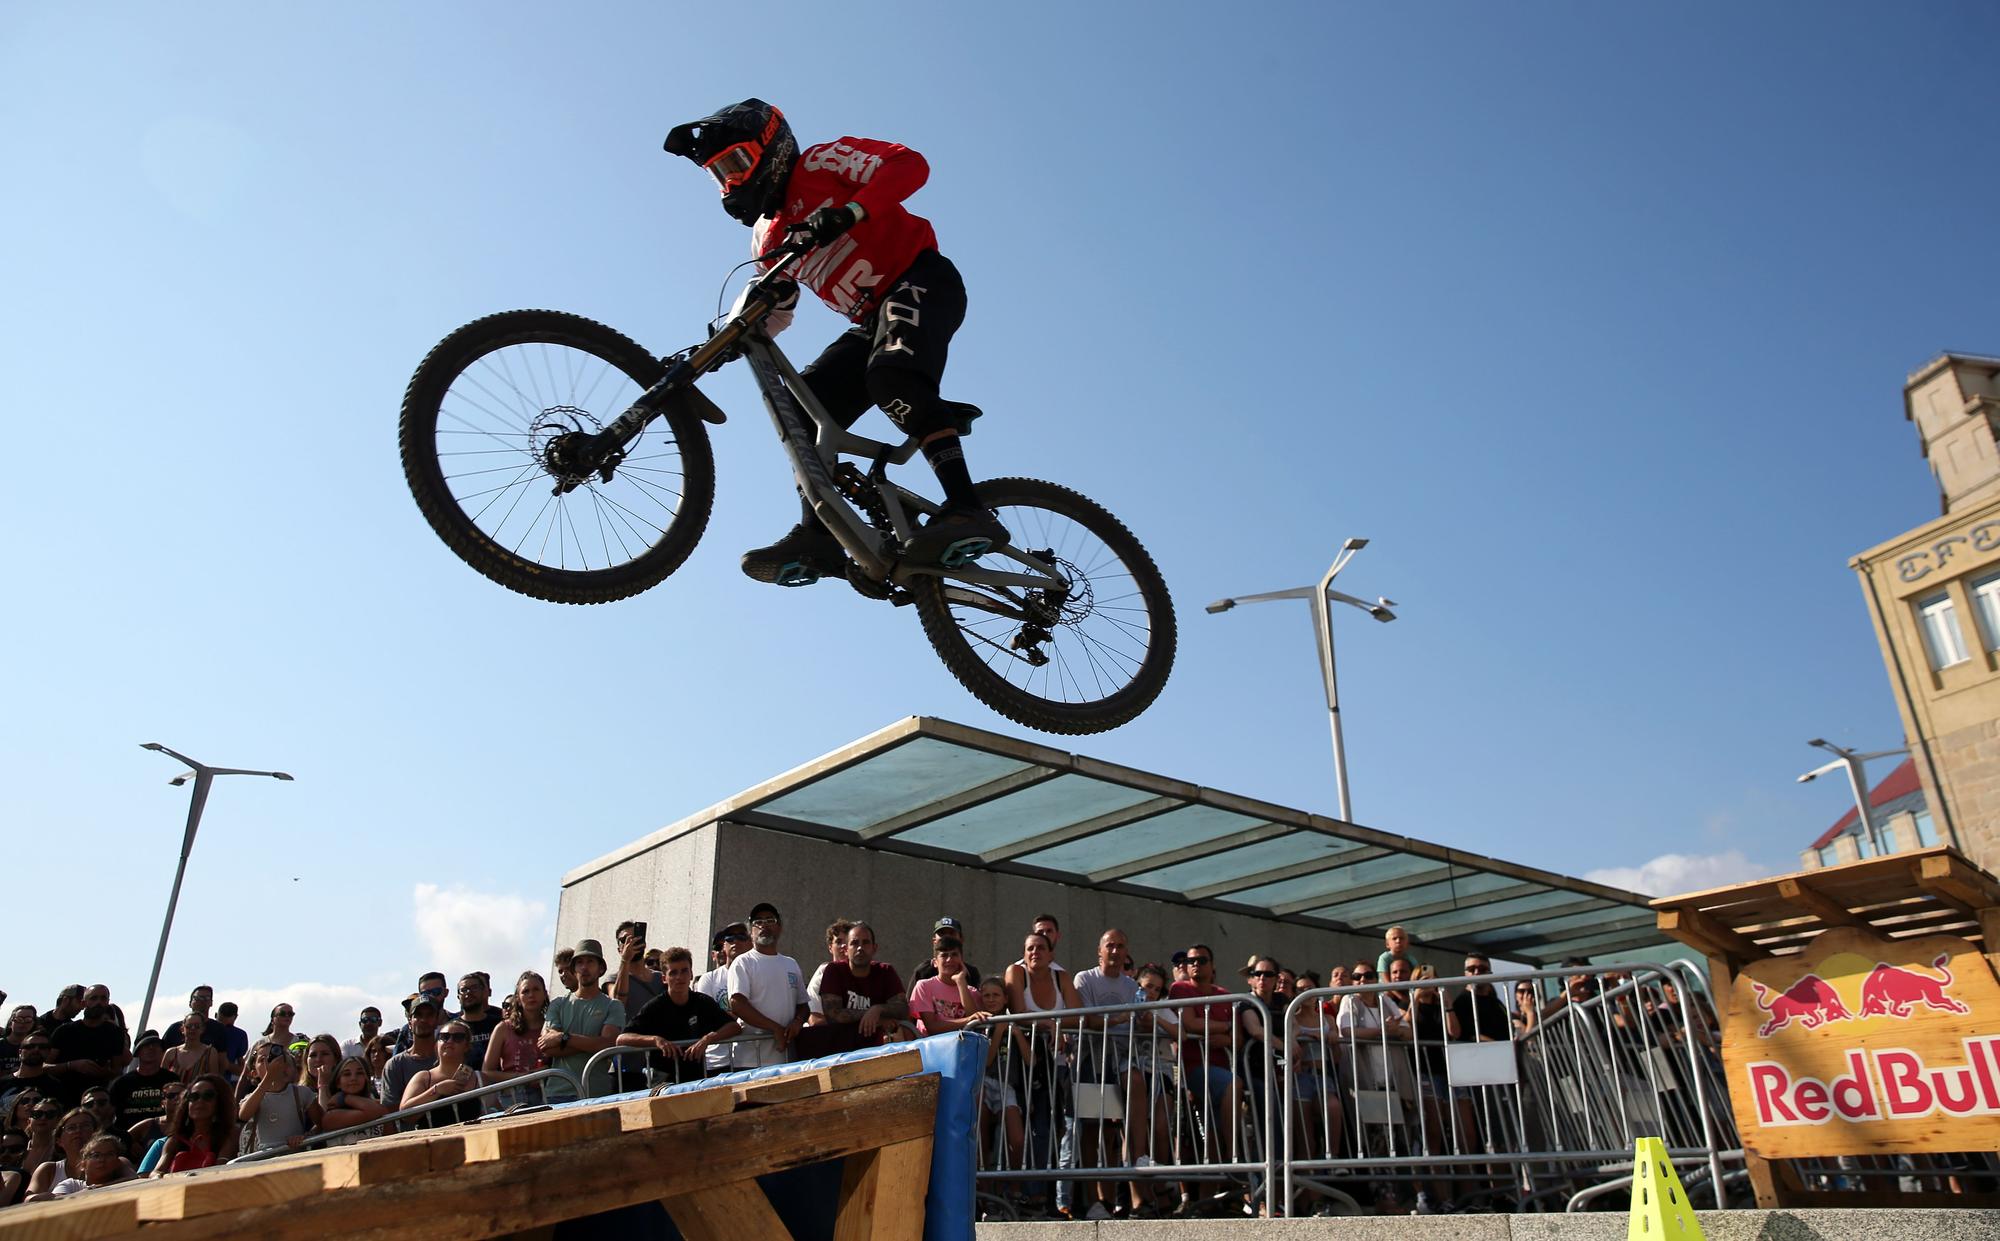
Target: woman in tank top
<point>513,1050</point>
<point>451,1076</point>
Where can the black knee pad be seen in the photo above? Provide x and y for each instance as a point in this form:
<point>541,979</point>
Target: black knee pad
<point>910,398</point>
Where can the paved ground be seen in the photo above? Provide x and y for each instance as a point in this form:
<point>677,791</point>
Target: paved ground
<point>1912,1225</point>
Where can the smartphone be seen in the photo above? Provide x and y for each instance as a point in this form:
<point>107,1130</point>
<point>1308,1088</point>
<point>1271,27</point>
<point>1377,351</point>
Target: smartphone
<point>638,930</point>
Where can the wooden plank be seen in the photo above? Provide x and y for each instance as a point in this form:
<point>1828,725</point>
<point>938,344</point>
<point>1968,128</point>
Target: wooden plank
<point>70,1219</point>
<point>540,1131</point>
<point>672,1109</point>
<point>499,1197</point>
<point>387,1159</point>
<point>830,1077</point>
<point>882,1193</point>
<point>727,1213</point>
<point>192,1195</point>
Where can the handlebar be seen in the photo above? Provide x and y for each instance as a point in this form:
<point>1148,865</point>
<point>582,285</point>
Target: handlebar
<point>709,354</point>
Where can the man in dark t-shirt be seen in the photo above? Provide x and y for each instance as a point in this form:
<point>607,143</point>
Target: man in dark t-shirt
<point>138,1093</point>
<point>91,1049</point>
<point>679,1014</point>
<point>862,998</point>
<point>1481,1016</point>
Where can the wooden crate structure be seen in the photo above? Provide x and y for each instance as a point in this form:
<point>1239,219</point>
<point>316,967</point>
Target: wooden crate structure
<point>1894,898</point>
<point>697,1153</point>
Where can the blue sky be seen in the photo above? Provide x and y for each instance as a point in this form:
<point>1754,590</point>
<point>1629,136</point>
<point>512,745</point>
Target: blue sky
<point>1593,318</point>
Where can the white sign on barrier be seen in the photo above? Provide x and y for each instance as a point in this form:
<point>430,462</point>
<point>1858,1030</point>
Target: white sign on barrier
<point>1480,1064</point>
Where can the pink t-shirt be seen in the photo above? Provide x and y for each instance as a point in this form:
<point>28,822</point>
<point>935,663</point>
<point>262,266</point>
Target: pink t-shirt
<point>935,995</point>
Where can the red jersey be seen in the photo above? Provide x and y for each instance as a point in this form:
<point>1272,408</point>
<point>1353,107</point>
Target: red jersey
<point>857,267</point>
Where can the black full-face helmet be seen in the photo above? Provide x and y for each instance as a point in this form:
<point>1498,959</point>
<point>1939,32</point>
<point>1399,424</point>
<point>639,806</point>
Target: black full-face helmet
<point>749,150</point>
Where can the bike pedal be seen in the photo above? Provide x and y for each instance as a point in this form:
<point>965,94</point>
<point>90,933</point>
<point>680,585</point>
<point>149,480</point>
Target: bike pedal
<point>796,574</point>
<point>964,552</point>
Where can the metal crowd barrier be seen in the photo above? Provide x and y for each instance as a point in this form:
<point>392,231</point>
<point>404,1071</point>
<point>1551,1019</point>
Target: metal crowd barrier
<point>1492,1115</point>
<point>387,1124</point>
<point>1127,1093</point>
<point>614,1052</point>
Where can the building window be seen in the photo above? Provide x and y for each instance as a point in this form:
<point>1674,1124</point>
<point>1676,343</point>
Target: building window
<point>1829,856</point>
<point>1926,830</point>
<point>1862,845</point>
<point>1938,618</point>
<point>1986,608</point>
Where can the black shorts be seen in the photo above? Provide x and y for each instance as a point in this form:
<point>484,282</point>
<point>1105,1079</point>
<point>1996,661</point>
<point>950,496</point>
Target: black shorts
<point>910,330</point>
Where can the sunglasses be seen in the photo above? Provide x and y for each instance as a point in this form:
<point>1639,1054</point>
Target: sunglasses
<point>1263,973</point>
<point>1366,977</point>
<point>201,1096</point>
<point>450,1037</point>
<point>371,1021</point>
<point>1198,960</point>
<point>45,1113</point>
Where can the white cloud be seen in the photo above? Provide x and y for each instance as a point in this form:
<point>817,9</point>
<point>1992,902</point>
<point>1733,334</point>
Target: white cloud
<point>1673,873</point>
<point>457,930</point>
<point>463,930</point>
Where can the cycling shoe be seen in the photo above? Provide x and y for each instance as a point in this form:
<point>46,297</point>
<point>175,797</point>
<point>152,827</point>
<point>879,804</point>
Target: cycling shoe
<point>802,557</point>
<point>955,537</point>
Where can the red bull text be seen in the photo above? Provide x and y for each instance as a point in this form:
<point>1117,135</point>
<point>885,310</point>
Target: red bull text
<point>1891,1083</point>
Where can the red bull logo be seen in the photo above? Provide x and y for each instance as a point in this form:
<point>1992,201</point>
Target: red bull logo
<point>1811,1001</point>
<point>1891,991</point>
<point>1894,1083</point>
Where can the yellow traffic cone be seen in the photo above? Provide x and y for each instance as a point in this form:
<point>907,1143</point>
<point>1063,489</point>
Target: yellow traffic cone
<point>1660,1210</point>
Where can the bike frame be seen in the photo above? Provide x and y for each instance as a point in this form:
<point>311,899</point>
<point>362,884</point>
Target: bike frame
<point>815,444</point>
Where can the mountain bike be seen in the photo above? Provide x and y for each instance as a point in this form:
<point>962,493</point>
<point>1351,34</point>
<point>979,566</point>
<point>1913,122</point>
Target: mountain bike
<point>562,460</point>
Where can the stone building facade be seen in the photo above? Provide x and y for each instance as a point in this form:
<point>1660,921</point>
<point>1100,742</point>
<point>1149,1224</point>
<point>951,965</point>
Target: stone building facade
<point>1934,596</point>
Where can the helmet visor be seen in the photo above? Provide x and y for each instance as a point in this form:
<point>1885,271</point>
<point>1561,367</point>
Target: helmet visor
<point>733,165</point>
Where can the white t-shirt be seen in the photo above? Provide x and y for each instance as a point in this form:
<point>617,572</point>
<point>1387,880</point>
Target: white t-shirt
<point>775,987</point>
<point>1364,1024</point>
<point>715,985</point>
<point>812,990</point>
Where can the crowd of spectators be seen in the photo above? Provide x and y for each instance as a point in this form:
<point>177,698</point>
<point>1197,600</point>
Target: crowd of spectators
<point>84,1102</point>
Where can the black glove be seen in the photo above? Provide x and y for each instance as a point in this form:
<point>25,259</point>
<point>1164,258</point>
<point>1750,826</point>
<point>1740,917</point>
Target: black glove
<point>827,223</point>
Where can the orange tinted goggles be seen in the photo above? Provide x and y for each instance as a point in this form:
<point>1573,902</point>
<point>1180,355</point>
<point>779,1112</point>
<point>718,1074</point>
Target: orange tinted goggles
<point>732,165</point>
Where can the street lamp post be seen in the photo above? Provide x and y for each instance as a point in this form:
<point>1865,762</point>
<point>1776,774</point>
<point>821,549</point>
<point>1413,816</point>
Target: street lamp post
<point>204,776</point>
<point>1856,779</point>
<point>1321,597</point>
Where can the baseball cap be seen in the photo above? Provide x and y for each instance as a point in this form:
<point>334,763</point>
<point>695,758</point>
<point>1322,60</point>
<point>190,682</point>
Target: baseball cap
<point>423,1001</point>
<point>145,1037</point>
<point>948,924</point>
<point>1180,958</point>
<point>733,930</point>
<point>764,907</point>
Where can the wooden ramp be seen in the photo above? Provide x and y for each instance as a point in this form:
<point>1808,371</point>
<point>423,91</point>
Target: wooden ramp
<point>698,1154</point>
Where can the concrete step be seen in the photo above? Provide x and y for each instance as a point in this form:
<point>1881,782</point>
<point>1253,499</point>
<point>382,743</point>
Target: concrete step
<point>1817,1225</point>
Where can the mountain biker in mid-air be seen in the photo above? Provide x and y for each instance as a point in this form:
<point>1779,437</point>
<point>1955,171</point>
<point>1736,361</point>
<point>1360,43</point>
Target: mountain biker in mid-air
<point>876,263</point>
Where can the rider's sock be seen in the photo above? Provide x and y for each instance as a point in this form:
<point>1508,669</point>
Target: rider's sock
<point>948,460</point>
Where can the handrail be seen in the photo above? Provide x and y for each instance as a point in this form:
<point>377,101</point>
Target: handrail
<point>477,1092</point>
<point>620,1049</point>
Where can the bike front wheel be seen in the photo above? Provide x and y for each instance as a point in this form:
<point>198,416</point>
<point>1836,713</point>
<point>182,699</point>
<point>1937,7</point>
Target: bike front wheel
<point>1080,659</point>
<point>478,420</point>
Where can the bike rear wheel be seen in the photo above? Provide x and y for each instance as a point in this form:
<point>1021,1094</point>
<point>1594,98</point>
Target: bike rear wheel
<point>1108,640</point>
<point>478,418</point>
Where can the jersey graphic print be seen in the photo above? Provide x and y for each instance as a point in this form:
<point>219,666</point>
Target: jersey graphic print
<point>849,272</point>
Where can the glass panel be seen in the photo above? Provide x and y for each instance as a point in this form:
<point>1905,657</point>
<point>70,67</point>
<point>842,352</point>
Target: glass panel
<point>1926,830</point>
<point>1937,617</point>
<point>1828,856</point>
<point>1301,846</point>
<point>1986,609</point>
<point>1392,907</point>
<point>1582,924</point>
<point>1331,883</point>
<point>1163,833</point>
<point>1524,909</point>
<point>913,774</point>
<point>1069,798</point>
<point>1862,844</point>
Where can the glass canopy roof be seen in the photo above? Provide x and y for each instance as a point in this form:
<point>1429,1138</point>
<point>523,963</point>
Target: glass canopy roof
<point>940,790</point>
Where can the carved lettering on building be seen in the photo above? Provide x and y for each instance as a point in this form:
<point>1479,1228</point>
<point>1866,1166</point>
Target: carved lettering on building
<point>1983,538</point>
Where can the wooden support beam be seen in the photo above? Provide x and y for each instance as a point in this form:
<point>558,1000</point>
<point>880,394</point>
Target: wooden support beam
<point>1823,907</point>
<point>882,1193</point>
<point>729,1213</point>
<point>493,1198</point>
<point>214,1191</point>
<point>1953,882</point>
<point>70,1219</point>
<point>1707,935</point>
<point>372,1163</point>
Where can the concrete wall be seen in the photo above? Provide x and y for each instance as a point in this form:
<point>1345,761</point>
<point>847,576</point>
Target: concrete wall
<point>670,887</point>
<point>813,881</point>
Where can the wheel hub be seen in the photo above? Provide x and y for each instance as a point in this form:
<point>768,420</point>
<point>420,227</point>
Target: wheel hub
<point>569,443</point>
